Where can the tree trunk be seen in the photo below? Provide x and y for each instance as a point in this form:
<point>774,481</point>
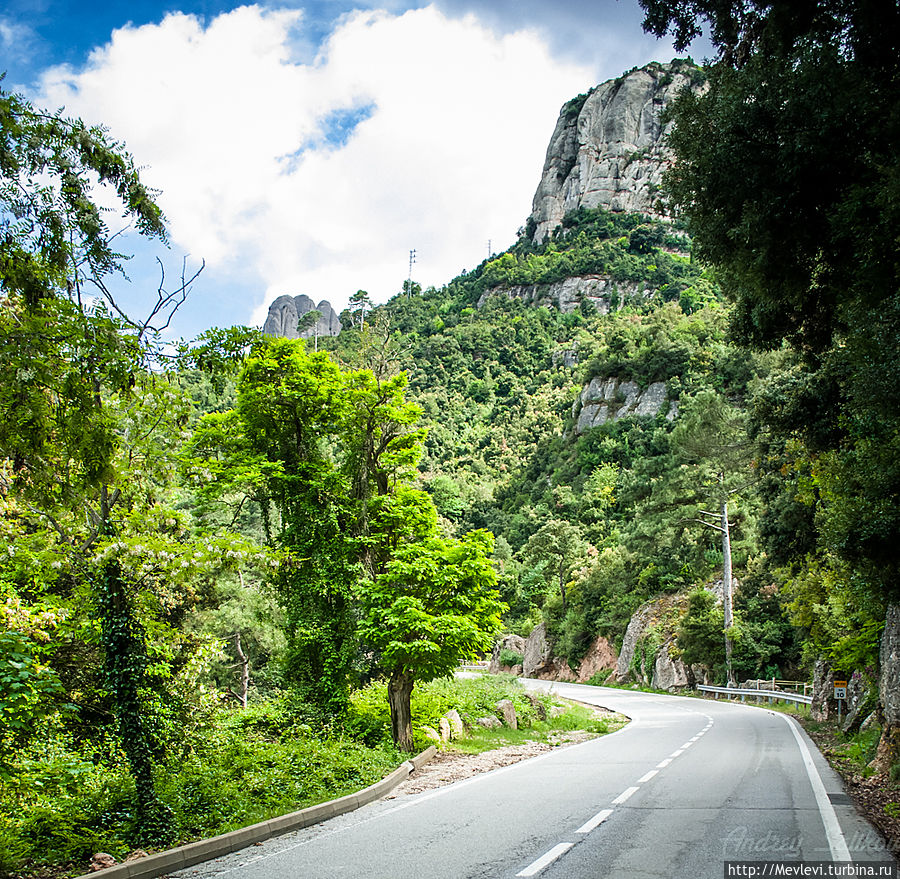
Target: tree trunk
<point>400,689</point>
<point>244,665</point>
<point>889,688</point>
<point>728,600</point>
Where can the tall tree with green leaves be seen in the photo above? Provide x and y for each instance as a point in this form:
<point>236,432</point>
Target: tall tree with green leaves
<point>435,604</point>
<point>88,430</point>
<point>716,453</point>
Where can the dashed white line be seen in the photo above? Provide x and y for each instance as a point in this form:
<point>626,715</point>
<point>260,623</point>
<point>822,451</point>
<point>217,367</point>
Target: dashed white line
<point>545,860</point>
<point>595,822</point>
<point>624,796</point>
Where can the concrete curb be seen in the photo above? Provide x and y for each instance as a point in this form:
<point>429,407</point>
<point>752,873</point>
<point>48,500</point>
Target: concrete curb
<point>205,849</point>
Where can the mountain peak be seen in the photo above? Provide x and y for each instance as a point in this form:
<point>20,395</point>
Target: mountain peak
<point>609,146</point>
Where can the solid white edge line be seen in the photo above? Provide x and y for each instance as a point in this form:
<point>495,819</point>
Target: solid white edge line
<point>624,796</point>
<point>595,822</point>
<point>545,860</point>
<point>833,832</point>
<point>648,776</point>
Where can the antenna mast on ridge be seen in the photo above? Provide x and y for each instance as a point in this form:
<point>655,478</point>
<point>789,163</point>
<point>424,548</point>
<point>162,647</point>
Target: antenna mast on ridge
<point>412,259</point>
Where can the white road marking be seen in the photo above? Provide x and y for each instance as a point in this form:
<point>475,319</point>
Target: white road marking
<point>664,763</point>
<point>833,832</point>
<point>594,822</point>
<point>648,776</point>
<point>624,796</point>
<point>677,753</point>
<point>545,860</point>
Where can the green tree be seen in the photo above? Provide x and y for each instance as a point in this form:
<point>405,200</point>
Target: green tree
<point>559,546</point>
<point>332,451</point>
<point>803,236</point>
<point>711,440</point>
<point>89,431</point>
<point>433,606</point>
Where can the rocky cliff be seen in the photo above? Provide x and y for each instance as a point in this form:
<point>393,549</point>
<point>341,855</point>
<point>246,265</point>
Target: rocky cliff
<point>285,311</point>
<point>568,294</point>
<point>607,399</point>
<point>609,146</point>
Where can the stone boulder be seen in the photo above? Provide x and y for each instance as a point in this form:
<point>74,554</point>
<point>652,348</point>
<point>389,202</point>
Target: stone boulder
<point>432,734</point>
<point>537,653</point>
<point>457,728</point>
<point>669,672</point>
<point>490,722</point>
<point>444,729</point>
<point>508,710</point>
<point>862,697</point>
<point>515,643</point>
<point>102,861</point>
<point>823,706</point>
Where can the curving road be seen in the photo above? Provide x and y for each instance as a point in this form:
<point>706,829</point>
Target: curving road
<point>686,786</point>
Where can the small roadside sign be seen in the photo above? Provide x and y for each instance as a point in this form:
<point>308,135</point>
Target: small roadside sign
<point>840,689</point>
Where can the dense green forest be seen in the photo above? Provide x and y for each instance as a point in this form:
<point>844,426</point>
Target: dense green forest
<point>248,566</point>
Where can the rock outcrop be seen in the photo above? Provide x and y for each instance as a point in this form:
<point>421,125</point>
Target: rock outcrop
<point>286,311</point>
<point>601,656</point>
<point>514,643</point>
<point>608,399</point>
<point>609,147</point>
<point>568,294</point>
<point>889,687</point>
<point>650,654</point>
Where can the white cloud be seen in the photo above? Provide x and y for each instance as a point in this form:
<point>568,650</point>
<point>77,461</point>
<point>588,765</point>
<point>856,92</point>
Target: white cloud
<point>233,131</point>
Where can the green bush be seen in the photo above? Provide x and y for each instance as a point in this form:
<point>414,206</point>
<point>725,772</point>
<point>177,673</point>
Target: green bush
<point>510,657</point>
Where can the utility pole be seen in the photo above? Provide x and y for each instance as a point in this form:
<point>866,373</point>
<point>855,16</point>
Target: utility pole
<point>412,259</point>
<point>489,249</point>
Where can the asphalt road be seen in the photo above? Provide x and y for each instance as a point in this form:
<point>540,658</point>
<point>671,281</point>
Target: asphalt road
<point>686,786</point>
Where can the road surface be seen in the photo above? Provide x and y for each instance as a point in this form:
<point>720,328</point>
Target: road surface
<point>688,785</point>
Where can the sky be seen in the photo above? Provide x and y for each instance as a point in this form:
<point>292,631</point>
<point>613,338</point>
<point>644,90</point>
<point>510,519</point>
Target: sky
<point>308,147</point>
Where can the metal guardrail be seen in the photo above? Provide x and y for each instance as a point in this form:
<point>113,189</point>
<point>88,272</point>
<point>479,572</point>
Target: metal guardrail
<point>771,695</point>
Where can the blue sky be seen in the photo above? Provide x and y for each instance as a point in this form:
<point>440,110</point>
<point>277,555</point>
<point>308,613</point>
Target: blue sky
<point>307,147</point>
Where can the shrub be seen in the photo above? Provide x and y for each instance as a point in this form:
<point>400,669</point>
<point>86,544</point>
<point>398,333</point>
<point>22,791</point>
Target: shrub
<point>510,657</point>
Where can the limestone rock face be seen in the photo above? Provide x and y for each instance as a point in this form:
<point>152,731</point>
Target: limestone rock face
<point>669,673</point>
<point>610,151</point>
<point>285,311</point>
<point>568,293</point>
<point>608,399</point>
